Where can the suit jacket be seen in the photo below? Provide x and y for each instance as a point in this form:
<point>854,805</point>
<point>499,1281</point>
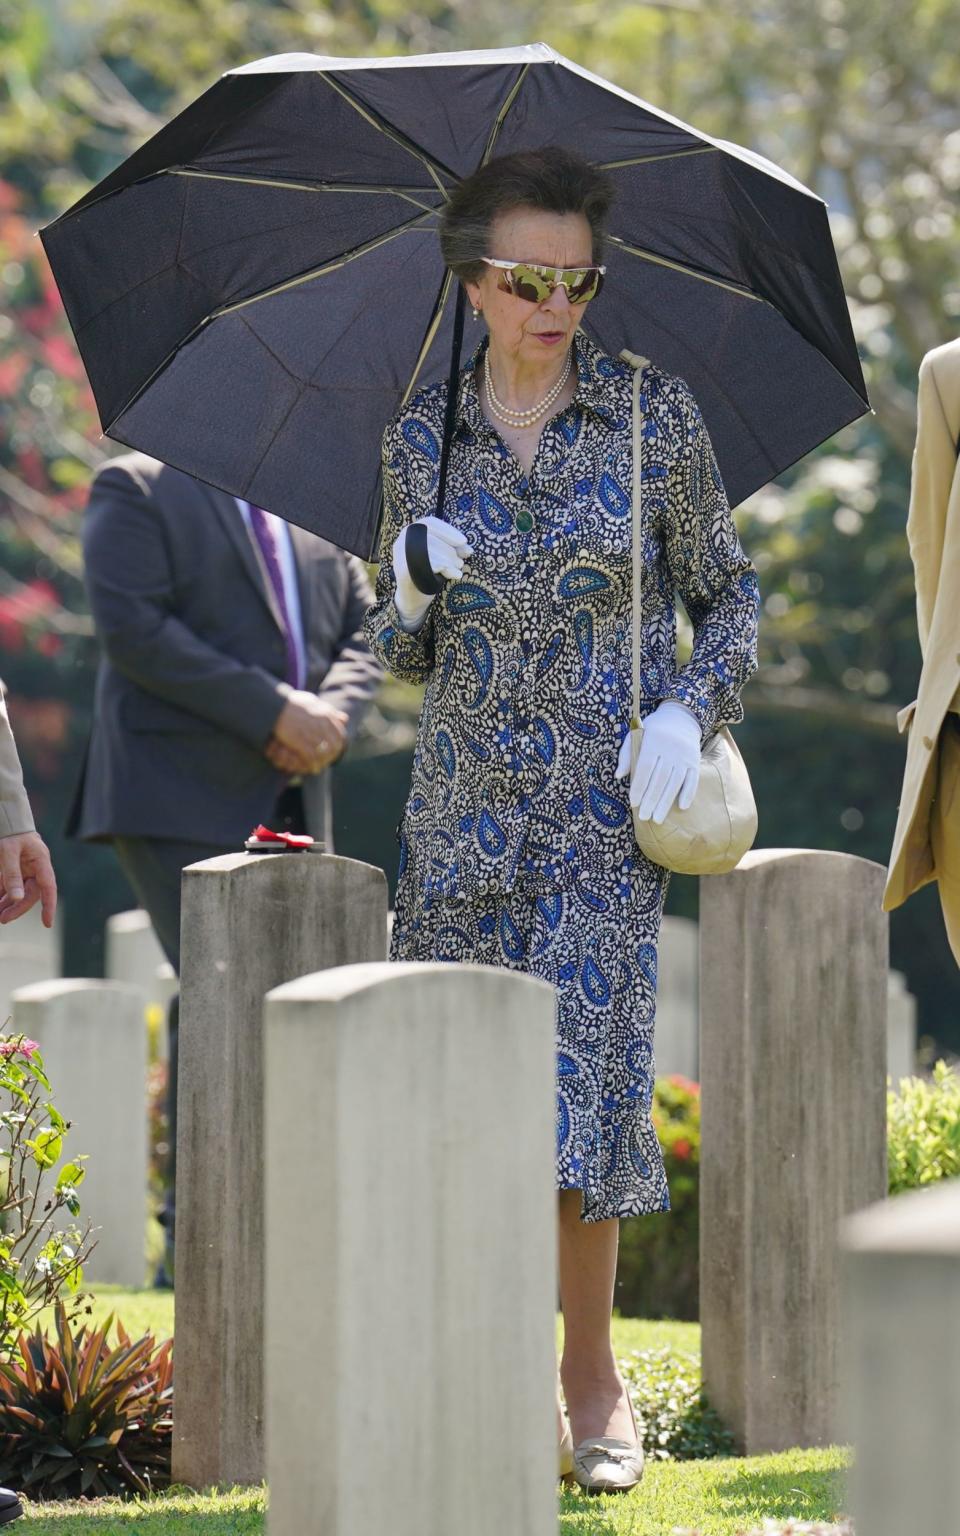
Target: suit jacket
<point>191,679</point>
<point>15,813</point>
<point>933,530</point>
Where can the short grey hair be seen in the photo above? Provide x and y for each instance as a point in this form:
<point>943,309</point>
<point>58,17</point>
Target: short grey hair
<point>552,179</point>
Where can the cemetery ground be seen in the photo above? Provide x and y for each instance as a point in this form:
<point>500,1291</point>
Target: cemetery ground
<point>722,1496</point>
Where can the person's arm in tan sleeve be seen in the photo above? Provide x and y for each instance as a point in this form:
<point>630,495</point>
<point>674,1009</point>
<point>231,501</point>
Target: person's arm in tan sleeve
<point>15,813</point>
<point>934,466</point>
<point>26,873</point>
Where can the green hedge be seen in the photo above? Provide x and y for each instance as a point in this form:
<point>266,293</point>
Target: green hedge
<point>658,1272</point>
<point>923,1130</point>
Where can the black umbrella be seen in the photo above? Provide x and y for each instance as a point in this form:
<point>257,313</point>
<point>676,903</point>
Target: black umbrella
<point>256,290</point>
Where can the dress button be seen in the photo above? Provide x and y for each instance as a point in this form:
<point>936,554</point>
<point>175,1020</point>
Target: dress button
<point>927,743</point>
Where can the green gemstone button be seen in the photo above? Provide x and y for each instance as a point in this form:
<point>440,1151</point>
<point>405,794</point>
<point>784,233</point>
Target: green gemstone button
<point>524,521</point>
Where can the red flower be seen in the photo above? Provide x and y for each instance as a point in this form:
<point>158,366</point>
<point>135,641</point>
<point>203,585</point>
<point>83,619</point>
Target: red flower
<point>681,1149</point>
<point>679,1081</point>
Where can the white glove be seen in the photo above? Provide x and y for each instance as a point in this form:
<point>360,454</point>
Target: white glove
<point>668,761</point>
<point>446,550</point>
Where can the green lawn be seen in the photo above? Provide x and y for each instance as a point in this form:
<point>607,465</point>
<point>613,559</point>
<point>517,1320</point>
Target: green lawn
<point>140,1311</point>
<point>712,1498</point>
<point>152,1312</point>
<point>715,1498</point>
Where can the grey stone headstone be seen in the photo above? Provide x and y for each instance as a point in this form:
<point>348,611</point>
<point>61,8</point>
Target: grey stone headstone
<point>901,1398</point>
<point>901,1030</point>
<point>21,965</point>
<point>249,923</point>
<point>677,1031</point>
<point>28,932</point>
<point>132,952</point>
<point>94,1045</point>
<point>411,1253</point>
<point>793,1061</point>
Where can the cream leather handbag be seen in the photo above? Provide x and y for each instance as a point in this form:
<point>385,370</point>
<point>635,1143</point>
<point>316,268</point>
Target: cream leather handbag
<point>711,836</point>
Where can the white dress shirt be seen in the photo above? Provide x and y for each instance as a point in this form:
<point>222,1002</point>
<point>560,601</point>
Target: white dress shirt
<point>288,573</point>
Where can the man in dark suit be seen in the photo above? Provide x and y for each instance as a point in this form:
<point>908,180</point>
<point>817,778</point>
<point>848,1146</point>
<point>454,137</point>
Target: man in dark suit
<point>233,673</point>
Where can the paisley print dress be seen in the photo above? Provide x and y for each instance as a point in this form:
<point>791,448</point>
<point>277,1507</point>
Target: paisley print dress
<point>516,842</point>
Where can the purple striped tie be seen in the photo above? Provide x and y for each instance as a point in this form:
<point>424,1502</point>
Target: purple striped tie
<point>265,536</point>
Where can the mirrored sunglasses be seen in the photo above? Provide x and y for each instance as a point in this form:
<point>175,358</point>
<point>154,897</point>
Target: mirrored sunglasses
<point>528,280</point>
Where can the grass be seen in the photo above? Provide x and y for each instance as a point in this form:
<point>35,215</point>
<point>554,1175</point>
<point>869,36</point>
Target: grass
<point>152,1312</point>
<point>176,1513</point>
<point>713,1498</point>
<point>139,1311</point>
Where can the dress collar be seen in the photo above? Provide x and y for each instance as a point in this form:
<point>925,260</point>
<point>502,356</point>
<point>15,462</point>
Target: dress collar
<point>595,371</point>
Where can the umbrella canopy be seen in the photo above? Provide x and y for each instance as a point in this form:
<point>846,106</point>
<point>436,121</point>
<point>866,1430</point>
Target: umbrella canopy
<point>257,289</point>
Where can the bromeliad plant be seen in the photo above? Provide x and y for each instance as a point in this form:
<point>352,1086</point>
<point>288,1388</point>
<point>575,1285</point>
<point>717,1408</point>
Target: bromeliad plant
<point>82,1417</point>
<point>41,1254</point>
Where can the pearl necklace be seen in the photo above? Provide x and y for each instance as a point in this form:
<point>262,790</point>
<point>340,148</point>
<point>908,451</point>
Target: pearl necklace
<point>527,418</point>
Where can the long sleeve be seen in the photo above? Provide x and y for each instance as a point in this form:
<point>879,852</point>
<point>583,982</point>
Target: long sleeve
<point>934,466</point>
<point>354,674</point>
<point>715,578</point>
<point>408,656</point>
<point>15,813</point>
<point>132,591</point>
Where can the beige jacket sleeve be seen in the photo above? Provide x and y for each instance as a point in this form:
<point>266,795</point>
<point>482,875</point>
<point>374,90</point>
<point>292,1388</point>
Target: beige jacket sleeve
<point>934,466</point>
<point>15,813</point>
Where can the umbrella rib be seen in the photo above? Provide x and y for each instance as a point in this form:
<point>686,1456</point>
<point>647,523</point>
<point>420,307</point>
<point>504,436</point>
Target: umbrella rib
<point>679,266</point>
<point>390,133</point>
<point>330,266</point>
<point>437,316</point>
<point>431,332</point>
<point>672,154</point>
<point>227,309</point>
<point>301,186</point>
<point>501,115</point>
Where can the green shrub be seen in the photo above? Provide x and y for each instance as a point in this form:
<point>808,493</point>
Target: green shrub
<point>658,1269</point>
<point>676,1423</point>
<point>79,1416</point>
<point>923,1130</point>
<point>40,1260</point>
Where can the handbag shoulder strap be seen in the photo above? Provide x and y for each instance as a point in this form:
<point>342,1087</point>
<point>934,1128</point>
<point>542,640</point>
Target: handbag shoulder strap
<point>638,364</point>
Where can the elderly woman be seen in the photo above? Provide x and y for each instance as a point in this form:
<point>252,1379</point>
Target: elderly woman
<point>516,843</point>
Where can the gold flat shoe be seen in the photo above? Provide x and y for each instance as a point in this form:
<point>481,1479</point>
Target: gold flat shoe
<point>606,1465</point>
<point>565,1455</point>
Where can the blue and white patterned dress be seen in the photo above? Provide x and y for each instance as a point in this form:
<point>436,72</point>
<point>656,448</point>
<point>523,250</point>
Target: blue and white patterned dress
<point>516,843</point>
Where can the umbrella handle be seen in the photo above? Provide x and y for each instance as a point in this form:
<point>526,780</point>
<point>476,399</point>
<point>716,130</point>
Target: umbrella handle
<point>422,574</point>
<point>452,393</point>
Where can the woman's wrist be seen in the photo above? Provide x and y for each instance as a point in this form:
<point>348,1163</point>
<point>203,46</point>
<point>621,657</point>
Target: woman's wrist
<point>412,614</point>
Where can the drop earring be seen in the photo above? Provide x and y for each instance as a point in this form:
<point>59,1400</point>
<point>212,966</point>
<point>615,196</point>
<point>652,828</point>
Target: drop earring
<point>476,313</point>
